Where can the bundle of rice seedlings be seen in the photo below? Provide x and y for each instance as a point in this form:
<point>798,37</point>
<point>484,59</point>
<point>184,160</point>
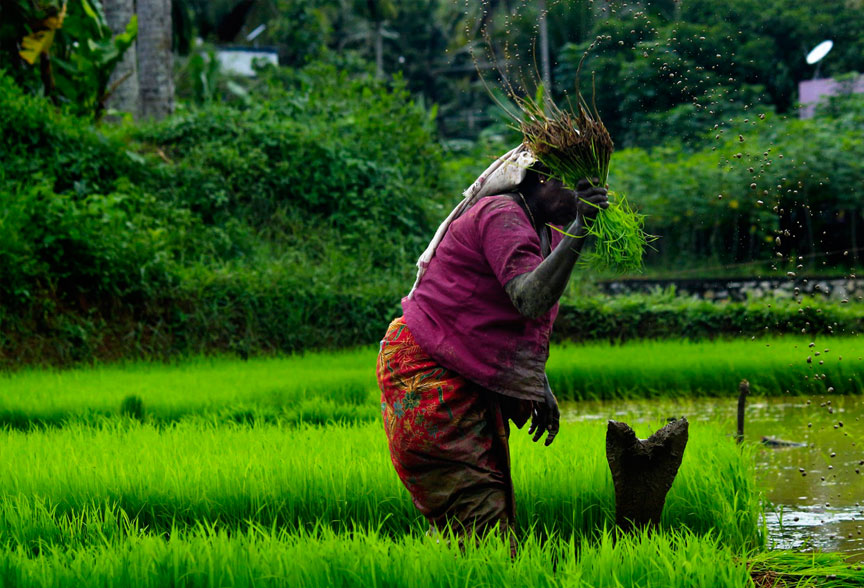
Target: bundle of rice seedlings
<point>574,144</point>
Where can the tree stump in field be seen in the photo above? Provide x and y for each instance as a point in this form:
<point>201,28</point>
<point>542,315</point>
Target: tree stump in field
<point>643,470</point>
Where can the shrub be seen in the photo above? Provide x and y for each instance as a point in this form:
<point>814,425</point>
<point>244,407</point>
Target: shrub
<point>662,315</point>
<point>36,139</point>
<point>269,227</point>
<point>318,147</point>
<point>760,180</point>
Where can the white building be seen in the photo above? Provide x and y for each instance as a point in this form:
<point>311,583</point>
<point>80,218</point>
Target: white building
<point>812,92</point>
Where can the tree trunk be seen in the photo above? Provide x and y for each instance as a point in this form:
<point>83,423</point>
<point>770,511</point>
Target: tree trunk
<point>379,49</point>
<point>155,60</point>
<point>123,84</point>
<point>544,49</point>
<point>643,471</point>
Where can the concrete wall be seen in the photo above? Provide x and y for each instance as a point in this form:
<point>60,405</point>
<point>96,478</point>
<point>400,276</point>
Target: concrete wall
<point>837,289</point>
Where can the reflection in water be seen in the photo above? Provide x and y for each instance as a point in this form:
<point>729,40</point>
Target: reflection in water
<point>816,492</point>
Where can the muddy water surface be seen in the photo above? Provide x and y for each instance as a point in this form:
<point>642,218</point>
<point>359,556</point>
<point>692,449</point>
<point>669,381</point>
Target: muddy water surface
<point>816,490</point>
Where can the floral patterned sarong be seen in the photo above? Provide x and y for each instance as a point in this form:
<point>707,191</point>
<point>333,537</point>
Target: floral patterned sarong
<point>447,437</point>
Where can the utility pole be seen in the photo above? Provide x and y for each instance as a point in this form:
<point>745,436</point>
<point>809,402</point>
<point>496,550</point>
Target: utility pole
<point>544,49</point>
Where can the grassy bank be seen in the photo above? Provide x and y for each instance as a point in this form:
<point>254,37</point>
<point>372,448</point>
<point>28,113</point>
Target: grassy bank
<point>663,315</point>
<point>276,310</point>
<point>341,476</point>
<point>324,387</point>
<point>772,365</point>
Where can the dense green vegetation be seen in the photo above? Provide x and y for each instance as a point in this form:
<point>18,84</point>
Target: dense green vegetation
<point>325,182</point>
<point>70,59</point>
<point>743,53</point>
<point>711,62</point>
<point>184,237</point>
<point>760,188</point>
<point>132,242</point>
<point>661,316</point>
<point>245,313</point>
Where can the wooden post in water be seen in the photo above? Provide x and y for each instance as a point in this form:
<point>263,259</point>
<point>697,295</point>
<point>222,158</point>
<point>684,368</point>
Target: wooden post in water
<point>643,470</point>
<point>743,391</point>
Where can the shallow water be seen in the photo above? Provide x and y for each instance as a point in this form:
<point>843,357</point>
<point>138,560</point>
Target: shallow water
<point>816,491</point>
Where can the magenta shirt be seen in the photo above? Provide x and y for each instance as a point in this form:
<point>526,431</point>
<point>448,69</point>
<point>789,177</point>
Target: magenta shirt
<point>460,313</point>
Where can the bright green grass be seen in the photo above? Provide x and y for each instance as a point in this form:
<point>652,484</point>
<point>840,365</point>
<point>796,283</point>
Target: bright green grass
<point>341,476</point>
<point>310,387</point>
<point>772,365</point>
<point>267,557</point>
<point>326,387</point>
<point>365,558</point>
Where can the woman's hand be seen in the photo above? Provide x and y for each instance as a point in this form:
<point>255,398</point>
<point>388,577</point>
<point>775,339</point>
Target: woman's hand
<point>591,198</point>
<point>545,416</point>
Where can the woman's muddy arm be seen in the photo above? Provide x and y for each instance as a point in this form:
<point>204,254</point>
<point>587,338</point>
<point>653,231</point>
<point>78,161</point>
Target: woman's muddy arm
<point>535,292</point>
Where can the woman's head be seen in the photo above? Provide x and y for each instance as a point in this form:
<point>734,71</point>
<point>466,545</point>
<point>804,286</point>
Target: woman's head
<point>547,196</point>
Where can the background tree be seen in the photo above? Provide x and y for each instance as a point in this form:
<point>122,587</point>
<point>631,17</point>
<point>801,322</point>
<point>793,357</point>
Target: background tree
<point>63,50</point>
<point>662,71</point>
<point>155,58</point>
<point>123,84</point>
<point>377,13</point>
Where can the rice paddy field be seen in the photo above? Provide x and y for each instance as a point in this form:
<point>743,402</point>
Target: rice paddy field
<point>327,387</point>
<point>275,472</point>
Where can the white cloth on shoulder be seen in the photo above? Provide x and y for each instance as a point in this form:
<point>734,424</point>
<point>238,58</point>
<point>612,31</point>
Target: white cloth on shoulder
<point>502,177</point>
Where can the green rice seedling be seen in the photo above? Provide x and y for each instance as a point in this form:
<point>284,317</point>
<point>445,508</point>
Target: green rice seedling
<point>133,407</point>
<point>366,558</point>
<point>574,146</point>
<point>615,248</point>
<point>340,476</point>
<point>32,524</point>
<point>260,556</point>
<point>790,568</point>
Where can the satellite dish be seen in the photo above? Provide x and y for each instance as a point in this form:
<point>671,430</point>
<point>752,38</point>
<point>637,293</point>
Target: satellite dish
<point>819,51</point>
